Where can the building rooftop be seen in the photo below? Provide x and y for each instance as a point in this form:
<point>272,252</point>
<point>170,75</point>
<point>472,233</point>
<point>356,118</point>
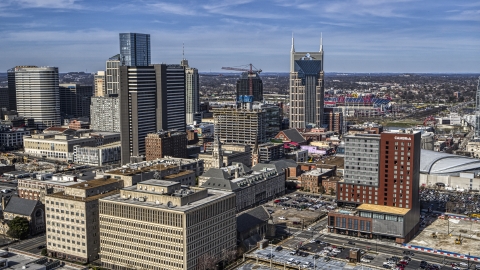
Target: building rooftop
<point>160,183</point>
<point>136,170</point>
<point>61,195</point>
<point>317,172</point>
<point>179,174</point>
<point>432,162</point>
<point>94,183</point>
<point>17,205</point>
<point>383,209</point>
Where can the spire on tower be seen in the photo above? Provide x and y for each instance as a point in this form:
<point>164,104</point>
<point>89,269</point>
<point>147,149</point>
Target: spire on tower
<point>321,42</point>
<point>183,50</point>
<point>293,46</point>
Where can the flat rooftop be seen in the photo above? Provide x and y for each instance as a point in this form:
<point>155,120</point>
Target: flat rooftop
<point>179,174</point>
<point>60,195</point>
<point>160,183</point>
<point>383,209</point>
<point>212,195</point>
<point>131,171</point>
<point>95,183</point>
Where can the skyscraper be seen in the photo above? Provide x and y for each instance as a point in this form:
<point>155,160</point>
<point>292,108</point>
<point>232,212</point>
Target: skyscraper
<point>151,98</point>
<point>477,112</point>
<point>105,114</point>
<point>37,94</point>
<point>243,86</point>
<point>12,92</point>
<point>381,184</point>
<point>99,84</point>
<point>306,88</point>
<point>75,100</point>
<point>135,49</point>
<point>112,76</point>
<point>192,96</point>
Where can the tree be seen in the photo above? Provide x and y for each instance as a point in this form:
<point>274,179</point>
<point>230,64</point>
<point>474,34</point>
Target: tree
<point>44,252</point>
<point>321,189</point>
<point>19,228</point>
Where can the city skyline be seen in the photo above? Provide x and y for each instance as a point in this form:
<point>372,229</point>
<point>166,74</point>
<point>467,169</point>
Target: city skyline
<point>358,36</point>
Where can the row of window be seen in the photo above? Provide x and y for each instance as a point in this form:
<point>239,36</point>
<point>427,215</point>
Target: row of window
<point>68,247</point>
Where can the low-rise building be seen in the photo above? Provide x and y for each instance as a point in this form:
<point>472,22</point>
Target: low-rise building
<point>97,155</point>
<point>270,151</point>
<point>311,181</point>
<point>12,138</point>
<point>166,143</point>
<point>73,227</point>
<point>252,227</point>
<point>171,227</point>
<point>58,143</point>
<point>252,186</point>
<point>298,155</point>
<point>33,211</point>
<point>35,188</point>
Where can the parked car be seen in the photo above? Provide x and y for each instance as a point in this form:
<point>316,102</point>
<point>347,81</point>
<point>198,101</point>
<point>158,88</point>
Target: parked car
<point>351,242</point>
<point>278,248</point>
<point>282,218</point>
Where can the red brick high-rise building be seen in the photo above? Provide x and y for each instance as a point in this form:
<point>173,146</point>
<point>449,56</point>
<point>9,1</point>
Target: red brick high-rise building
<point>379,194</point>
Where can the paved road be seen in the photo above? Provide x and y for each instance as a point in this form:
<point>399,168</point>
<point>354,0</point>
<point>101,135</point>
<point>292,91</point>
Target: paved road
<point>31,245</point>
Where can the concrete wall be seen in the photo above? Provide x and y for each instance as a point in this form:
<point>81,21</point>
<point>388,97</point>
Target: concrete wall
<point>450,181</point>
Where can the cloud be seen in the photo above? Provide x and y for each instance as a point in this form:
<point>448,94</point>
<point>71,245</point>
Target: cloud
<point>183,10</point>
<point>55,4</point>
<point>467,15</point>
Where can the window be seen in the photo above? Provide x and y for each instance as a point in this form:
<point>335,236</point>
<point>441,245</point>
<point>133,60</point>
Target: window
<point>355,224</point>
<point>378,216</point>
<point>362,225</point>
<point>368,225</point>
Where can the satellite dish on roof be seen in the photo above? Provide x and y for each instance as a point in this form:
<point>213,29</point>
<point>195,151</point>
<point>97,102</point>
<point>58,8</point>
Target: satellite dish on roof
<point>170,204</point>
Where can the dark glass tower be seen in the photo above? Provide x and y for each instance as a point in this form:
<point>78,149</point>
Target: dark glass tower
<point>243,86</point>
<point>135,49</point>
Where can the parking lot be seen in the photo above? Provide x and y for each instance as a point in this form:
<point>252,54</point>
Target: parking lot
<point>285,257</point>
<point>464,203</point>
<point>299,210</point>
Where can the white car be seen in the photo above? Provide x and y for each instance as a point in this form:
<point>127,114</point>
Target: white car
<point>462,264</point>
<point>282,218</point>
<point>364,260</point>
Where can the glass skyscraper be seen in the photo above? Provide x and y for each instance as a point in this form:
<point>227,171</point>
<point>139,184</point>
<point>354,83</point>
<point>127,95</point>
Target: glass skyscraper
<point>135,49</point>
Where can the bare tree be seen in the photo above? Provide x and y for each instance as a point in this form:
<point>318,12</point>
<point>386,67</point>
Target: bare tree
<point>206,261</point>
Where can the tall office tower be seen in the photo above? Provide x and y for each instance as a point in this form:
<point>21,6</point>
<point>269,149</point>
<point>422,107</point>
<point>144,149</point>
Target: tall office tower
<point>73,225</point>
<point>100,84</point>
<point>12,96</point>
<point>477,112</point>
<point>112,76</point>
<point>135,49</point>
<point>159,224</point>
<point>381,185</point>
<point>151,98</point>
<point>192,95</point>
<point>105,114</point>
<point>75,100</point>
<point>243,86</point>
<point>240,125</point>
<point>37,94</point>
<point>306,88</point>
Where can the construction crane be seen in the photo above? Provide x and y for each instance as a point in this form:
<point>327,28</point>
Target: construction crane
<point>251,73</point>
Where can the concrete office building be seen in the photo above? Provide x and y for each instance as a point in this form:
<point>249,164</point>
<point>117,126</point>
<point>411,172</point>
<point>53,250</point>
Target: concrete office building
<point>112,77</point>
<point>477,112</point>
<point>99,83</point>
<point>75,100</point>
<point>171,226</point>
<point>105,114</point>
<point>240,125</point>
<point>243,86</point>
<point>135,49</point>
<point>166,143</point>
<point>381,186</point>
<point>37,94</point>
<point>73,224</point>
<point>273,118</point>
<point>306,88</point>
<point>12,138</point>
<point>152,98</point>
<point>192,94</point>
<point>97,155</point>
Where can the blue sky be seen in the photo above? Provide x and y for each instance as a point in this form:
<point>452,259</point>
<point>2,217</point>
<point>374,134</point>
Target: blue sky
<point>358,35</point>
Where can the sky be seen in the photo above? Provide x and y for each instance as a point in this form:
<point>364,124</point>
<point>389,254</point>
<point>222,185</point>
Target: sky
<point>415,36</point>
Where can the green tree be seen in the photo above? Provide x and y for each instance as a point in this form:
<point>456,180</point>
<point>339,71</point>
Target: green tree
<point>19,228</point>
<point>44,252</point>
<point>321,190</point>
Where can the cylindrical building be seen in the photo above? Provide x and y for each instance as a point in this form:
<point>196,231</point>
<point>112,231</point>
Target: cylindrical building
<point>37,94</point>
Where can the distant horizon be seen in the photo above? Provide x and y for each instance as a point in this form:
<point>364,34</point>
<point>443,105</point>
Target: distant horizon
<point>359,36</point>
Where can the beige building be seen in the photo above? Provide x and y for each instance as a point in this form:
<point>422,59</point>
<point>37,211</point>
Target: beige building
<point>73,219</point>
<point>161,225</point>
<point>59,144</point>
<point>100,84</point>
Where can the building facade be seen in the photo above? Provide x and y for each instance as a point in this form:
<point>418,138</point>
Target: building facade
<point>252,187</point>
<point>12,138</point>
<point>98,155</point>
<point>135,49</point>
<point>306,88</point>
<point>243,86</point>
<point>12,90</point>
<point>75,100</point>
<point>477,112</point>
<point>166,143</point>
<point>181,227</point>
<point>112,76</point>
<point>381,183</point>
<point>99,83</point>
<point>37,94</point>
<point>105,114</point>
<point>151,98</point>
<point>192,94</point>
<point>240,125</point>
<point>73,224</point>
